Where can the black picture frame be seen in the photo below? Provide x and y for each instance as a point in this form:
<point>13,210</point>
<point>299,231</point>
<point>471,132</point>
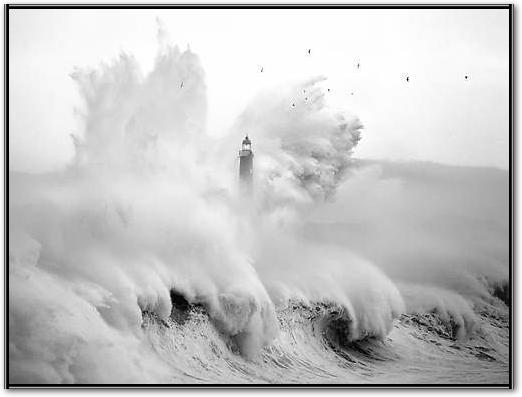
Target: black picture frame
<point>512,198</point>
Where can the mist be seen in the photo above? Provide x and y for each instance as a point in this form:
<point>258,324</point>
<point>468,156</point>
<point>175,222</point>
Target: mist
<point>150,205</point>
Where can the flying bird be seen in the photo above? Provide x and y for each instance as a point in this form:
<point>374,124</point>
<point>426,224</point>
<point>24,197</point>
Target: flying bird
<point>466,77</point>
<point>407,78</point>
<point>309,51</point>
<point>293,105</point>
<point>358,65</point>
<point>181,86</point>
<point>351,93</point>
<point>328,90</point>
<point>262,68</point>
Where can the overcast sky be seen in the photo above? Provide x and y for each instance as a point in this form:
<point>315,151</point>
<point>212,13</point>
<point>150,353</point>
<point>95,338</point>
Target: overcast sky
<point>437,116</point>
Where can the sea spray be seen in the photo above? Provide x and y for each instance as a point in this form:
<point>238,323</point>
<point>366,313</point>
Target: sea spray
<point>149,207</point>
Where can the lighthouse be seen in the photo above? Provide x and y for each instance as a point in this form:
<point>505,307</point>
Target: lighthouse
<point>246,167</point>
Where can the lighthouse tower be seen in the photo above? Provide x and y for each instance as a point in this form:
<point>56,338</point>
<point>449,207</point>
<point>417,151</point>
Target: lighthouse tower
<point>246,167</point>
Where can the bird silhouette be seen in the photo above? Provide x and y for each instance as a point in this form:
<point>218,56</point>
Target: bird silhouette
<point>328,90</point>
<point>262,68</point>
<point>181,85</point>
<point>358,65</point>
<point>309,51</point>
<point>466,77</point>
<point>407,78</point>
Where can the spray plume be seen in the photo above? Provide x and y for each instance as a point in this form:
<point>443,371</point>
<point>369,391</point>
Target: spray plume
<point>146,209</point>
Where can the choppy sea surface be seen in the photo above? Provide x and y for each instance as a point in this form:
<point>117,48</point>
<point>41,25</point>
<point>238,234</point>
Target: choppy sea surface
<point>314,347</point>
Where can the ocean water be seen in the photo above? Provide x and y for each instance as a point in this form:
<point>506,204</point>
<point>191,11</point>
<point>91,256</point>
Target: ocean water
<point>140,262</point>
<point>311,348</point>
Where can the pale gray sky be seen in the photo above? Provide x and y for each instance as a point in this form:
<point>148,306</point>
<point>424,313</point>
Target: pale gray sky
<point>438,116</point>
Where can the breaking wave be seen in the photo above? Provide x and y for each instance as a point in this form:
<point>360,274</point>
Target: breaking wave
<point>139,262</point>
<point>315,345</point>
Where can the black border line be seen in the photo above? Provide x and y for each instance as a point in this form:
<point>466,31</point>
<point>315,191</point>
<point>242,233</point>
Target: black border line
<point>6,185</point>
<point>511,196</point>
<point>512,191</point>
<point>258,6</point>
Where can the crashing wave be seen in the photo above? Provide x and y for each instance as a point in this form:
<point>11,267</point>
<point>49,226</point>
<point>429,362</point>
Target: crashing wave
<point>95,250</point>
<point>314,344</point>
